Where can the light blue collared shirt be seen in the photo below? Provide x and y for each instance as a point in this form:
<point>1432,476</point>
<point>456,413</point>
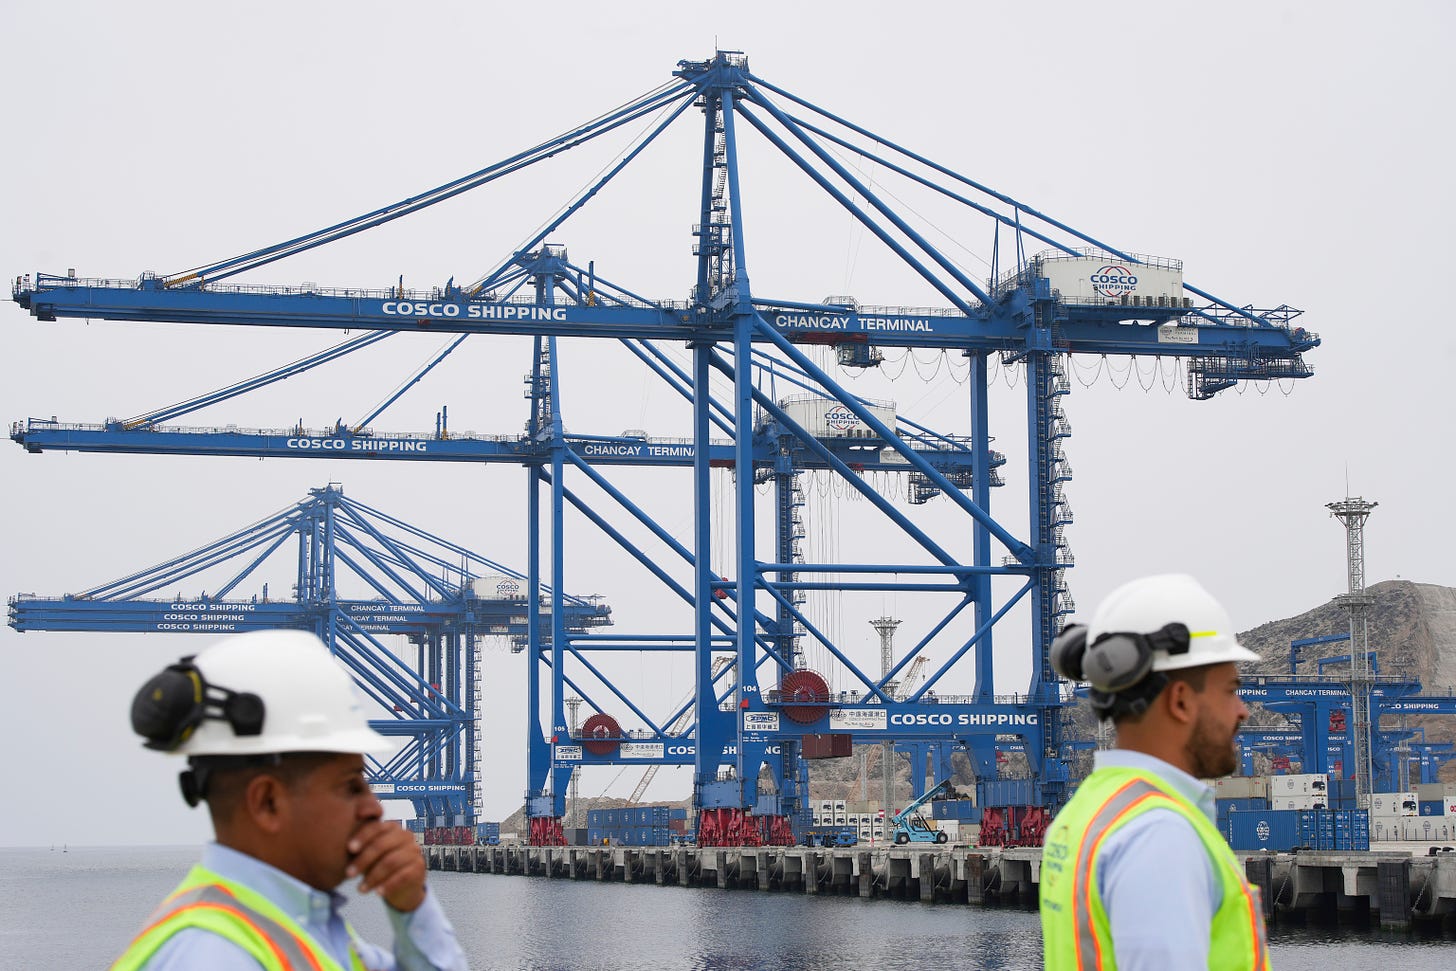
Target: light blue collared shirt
<point>1157,884</point>
<point>423,938</point>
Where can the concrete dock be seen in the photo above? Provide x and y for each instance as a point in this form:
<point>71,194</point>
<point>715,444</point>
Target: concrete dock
<point>1393,887</point>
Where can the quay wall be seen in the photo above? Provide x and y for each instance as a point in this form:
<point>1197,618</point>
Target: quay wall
<point>1394,888</point>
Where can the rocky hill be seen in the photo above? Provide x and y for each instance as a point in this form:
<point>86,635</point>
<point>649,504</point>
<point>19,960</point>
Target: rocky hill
<point>1412,630</point>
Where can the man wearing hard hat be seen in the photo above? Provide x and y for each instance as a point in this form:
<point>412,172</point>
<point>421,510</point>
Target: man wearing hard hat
<point>1135,875</point>
<point>275,737</point>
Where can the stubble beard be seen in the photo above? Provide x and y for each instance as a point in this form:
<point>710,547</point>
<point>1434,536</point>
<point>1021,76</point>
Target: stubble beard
<point>1211,752</point>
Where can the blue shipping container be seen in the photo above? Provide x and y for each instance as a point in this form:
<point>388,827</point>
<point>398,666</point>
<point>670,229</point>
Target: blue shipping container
<point>1432,807</point>
<point>1265,830</point>
<point>1006,792</point>
<point>1222,807</point>
<point>956,809</point>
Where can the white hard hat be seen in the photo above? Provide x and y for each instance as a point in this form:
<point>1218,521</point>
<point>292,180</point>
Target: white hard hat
<point>306,700</point>
<point>1148,605</point>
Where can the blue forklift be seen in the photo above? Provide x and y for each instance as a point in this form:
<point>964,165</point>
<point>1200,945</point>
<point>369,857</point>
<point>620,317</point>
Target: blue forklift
<point>911,827</point>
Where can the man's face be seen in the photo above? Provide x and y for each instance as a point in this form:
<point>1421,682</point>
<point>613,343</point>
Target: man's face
<point>1211,747</point>
<point>325,808</point>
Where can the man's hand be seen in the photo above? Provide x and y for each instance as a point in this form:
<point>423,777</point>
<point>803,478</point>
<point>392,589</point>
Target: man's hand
<point>391,864</point>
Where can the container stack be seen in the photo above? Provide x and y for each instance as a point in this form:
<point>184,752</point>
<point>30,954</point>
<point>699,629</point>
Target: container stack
<point>1310,791</point>
<point>868,825</point>
<point>1239,794</point>
<point>1436,799</point>
<point>1281,830</point>
<point>1426,815</point>
<point>635,826</point>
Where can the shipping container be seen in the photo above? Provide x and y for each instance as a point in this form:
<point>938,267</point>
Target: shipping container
<point>1296,803</point>
<point>1241,787</point>
<point>1427,829</point>
<point>1383,830</point>
<point>1006,792</point>
<point>1264,830</point>
<point>1299,785</point>
<point>961,809</point>
<point>836,746</point>
<point>1394,804</point>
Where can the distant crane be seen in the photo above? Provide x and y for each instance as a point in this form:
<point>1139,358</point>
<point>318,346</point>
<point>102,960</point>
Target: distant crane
<point>361,578</point>
<point>676,728</point>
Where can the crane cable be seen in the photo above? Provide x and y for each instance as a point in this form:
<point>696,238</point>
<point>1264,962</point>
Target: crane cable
<point>605,122</point>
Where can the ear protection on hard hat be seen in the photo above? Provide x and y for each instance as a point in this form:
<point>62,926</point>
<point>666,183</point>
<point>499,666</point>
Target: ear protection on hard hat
<point>1117,660</point>
<point>169,707</point>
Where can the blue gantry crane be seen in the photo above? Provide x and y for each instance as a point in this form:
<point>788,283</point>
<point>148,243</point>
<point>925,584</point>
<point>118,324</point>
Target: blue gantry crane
<point>361,580</point>
<point>1077,296</point>
<point>1321,709</point>
<point>1390,749</point>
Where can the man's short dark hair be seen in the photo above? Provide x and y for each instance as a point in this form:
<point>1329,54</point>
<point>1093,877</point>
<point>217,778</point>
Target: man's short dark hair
<point>1195,677</point>
<point>222,779</point>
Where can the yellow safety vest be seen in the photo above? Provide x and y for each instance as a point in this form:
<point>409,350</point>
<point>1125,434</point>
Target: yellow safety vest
<point>210,902</point>
<point>1076,934</point>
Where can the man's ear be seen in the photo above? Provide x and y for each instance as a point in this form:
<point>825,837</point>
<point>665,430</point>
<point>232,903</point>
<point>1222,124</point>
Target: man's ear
<point>1177,698</point>
<point>265,801</point>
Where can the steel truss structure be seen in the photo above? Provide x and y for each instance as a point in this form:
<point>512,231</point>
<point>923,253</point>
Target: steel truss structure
<point>754,712</point>
<point>1324,709</point>
<point>441,598</point>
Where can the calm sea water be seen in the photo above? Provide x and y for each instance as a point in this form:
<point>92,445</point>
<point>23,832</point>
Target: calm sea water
<point>79,908</point>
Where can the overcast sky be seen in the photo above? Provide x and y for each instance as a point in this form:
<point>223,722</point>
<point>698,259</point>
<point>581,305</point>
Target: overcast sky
<point>1288,153</point>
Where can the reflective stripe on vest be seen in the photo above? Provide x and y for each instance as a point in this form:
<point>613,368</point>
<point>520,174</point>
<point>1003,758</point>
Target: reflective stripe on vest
<point>205,901</point>
<point>1075,928</point>
<point>1089,946</point>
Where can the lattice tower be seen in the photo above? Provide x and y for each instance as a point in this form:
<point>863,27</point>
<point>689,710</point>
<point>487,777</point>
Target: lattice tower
<point>1353,513</point>
<point>885,627</point>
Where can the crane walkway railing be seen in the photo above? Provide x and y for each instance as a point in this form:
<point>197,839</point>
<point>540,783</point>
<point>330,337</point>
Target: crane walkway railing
<point>773,697</point>
<point>46,281</point>
<point>50,424</point>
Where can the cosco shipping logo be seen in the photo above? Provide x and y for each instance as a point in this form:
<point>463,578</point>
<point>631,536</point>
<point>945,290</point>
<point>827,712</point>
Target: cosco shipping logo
<point>1114,280</point>
<point>840,419</point>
